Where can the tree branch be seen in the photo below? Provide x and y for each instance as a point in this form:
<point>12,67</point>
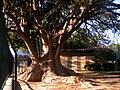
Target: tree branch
<point>14,20</point>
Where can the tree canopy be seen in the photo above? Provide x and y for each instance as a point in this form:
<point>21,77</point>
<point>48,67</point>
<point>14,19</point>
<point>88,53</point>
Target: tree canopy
<point>97,16</point>
<point>104,55</point>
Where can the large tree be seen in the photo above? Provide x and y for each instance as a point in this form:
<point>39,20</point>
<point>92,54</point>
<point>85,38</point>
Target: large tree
<point>48,24</point>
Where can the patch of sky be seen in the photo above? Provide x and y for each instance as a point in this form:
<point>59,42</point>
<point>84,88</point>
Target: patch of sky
<point>114,37</point>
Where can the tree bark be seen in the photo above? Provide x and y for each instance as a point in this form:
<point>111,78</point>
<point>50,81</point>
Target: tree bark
<point>48,68</point>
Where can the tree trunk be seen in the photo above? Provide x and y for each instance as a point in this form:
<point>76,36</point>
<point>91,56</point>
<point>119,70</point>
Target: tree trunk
<point>62,70</point>
<point>57,72</point>
<point>49,70</point>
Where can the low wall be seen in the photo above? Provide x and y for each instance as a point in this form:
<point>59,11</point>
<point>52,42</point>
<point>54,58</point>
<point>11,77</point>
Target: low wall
<point>76,60</point>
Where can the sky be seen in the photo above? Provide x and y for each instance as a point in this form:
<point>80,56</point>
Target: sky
<point>115,38</point>
<point>117,1</point>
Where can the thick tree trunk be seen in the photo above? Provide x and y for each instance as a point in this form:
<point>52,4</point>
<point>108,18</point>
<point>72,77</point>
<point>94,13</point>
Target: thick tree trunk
<point>48,71</point>
<point>48,68</point>
<point>62,70</point>
<point>58,73</point>
<point>33,73</point>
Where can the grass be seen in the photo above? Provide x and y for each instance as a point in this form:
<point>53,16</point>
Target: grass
<point>101,72</point>
<point>110,72</point>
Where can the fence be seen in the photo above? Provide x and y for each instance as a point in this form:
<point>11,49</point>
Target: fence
<point>5,55</point>
<point>6,61</point>
<point>5,66</point>
<point>22,64</point>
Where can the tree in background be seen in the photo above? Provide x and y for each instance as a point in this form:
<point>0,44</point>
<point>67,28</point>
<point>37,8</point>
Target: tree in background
<point>116,48</point>
<point>104,55</point>
<point>80,39</point>
<point>104,60</point>
<point>47,24</point>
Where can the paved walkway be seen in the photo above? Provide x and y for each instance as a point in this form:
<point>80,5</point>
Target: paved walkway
<point>8,84</point>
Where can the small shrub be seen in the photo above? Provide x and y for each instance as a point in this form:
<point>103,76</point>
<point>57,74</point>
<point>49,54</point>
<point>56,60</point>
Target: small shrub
<point>93,67</point>
<point>104,55</point>
<point>118,62</point>
<point>108,67</point>
<point>99,67</point>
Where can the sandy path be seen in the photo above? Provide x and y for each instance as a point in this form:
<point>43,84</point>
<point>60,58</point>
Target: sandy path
<point>94,81</point>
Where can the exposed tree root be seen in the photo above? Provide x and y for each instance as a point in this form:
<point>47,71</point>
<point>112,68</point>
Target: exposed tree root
<point>50,77</point>
<point>63,71</point>
<point>36,73</point>
<point>33,73</point>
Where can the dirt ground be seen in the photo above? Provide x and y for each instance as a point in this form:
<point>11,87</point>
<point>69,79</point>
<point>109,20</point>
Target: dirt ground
<point>93,81</point>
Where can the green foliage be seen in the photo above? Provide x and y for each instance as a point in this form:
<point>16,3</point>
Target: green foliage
<point>17,41</point>
<point>75,44</point>
<point>100,67</point>
<point>108,67</point>
<point>104,55</point>
<point>92,17</point>
<point>81,39</point>
<point>115,47</point>
<point>118,63</point>
<point>93,67</point>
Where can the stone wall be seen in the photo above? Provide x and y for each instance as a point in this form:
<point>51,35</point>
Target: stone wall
<point>76,60</point>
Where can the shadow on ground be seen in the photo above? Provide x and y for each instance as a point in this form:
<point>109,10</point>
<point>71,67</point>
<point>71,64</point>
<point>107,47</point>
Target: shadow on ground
<point>23,83</point>
<point>18,86</point>
<point>98,79</point>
